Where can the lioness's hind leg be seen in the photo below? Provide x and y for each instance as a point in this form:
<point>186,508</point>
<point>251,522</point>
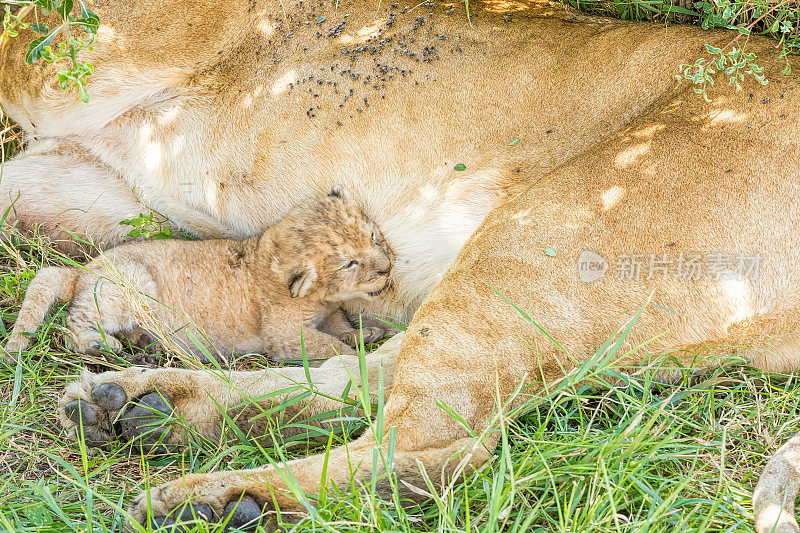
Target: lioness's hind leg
<point>61,193</point>
<point>775,494</point>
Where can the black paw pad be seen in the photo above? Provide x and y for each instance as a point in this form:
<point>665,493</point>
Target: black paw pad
<point>243,514</point>
<point>81,412</point>
<point>93,436</point>
<point>109,396</point>
<point>144,422</point>
<point>163,521</point>
<point>193,512</point>
<point>180,517</point>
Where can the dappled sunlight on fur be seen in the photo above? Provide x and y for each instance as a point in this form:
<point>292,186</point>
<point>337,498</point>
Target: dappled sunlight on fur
<point>491,155</point>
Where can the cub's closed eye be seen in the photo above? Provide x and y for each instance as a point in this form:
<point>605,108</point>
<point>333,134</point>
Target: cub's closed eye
<point>376,238</point>
<point>351,264</point>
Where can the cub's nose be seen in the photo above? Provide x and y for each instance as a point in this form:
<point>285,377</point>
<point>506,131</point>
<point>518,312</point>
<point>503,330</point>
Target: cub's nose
<point>382,265</point>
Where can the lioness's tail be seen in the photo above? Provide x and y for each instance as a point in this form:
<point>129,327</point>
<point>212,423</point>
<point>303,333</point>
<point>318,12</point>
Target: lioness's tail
<point>49,285</point>
<point>773,498</point>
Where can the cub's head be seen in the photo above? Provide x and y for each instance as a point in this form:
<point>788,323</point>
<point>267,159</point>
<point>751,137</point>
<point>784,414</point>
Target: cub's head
<point>336,252</point>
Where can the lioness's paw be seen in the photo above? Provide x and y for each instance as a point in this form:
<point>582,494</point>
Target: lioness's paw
<point>197,498</point>
<point>104,411</point>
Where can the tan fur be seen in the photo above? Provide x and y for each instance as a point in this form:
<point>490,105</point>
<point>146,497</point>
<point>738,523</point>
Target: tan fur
<point>232,297</point>
<point>776,492</point>
<point>224,135</point>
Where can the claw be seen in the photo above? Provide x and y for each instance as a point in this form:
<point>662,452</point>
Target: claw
<point>109,396</point>
<point>243,514</point>
<point>81,412</point>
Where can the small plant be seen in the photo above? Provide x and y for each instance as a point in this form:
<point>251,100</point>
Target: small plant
<point>75,72</point>
<point>737,63</point>
<point>148,227</point>
<point>779,20</point>
<point>734,64</point>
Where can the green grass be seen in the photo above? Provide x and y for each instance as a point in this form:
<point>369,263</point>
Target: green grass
<point>779,19</point>
<point>640,456</point>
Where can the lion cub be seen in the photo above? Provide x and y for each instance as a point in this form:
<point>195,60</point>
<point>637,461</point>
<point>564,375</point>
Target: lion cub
<point>231,297</point>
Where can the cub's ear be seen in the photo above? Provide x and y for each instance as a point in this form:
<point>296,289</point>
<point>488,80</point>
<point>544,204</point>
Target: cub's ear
<point>339,191</point>
<point>301,279</point>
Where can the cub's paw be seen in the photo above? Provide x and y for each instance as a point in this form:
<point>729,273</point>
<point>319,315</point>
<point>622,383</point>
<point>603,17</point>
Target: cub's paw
<point>371,335</point>
<point>198,498</point>
<point>16,343</point>
<point>93,342</point>
<point>102,410</point>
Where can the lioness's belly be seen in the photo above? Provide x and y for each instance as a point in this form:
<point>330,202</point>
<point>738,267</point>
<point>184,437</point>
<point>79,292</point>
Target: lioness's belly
<point>392,103</point>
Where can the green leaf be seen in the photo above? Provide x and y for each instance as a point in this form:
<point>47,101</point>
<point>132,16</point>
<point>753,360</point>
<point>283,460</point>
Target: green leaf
<point>460,166</point>
<point>82,93</point>
<point>549,252</point>
<point>47,6</point>
<point>40,27</point>
<point>37,45</point>
<point>65,8</point>
<point>787,70</point>
<point>743,30</point>
<point>138,221</point>
<point>38,515</point>
<point>89,23</point>
<point>713,49</point>
<point>679,9</point>
<point>512,143</point>
<point>87,13</point>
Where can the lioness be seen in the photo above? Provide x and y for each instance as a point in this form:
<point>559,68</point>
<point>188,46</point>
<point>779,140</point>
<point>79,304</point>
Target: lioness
<point>495,155</point>
<point>232,297</point>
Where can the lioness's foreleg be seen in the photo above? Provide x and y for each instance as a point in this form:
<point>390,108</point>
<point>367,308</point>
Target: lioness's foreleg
<point>442,368</point>
<point>95,401</point>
